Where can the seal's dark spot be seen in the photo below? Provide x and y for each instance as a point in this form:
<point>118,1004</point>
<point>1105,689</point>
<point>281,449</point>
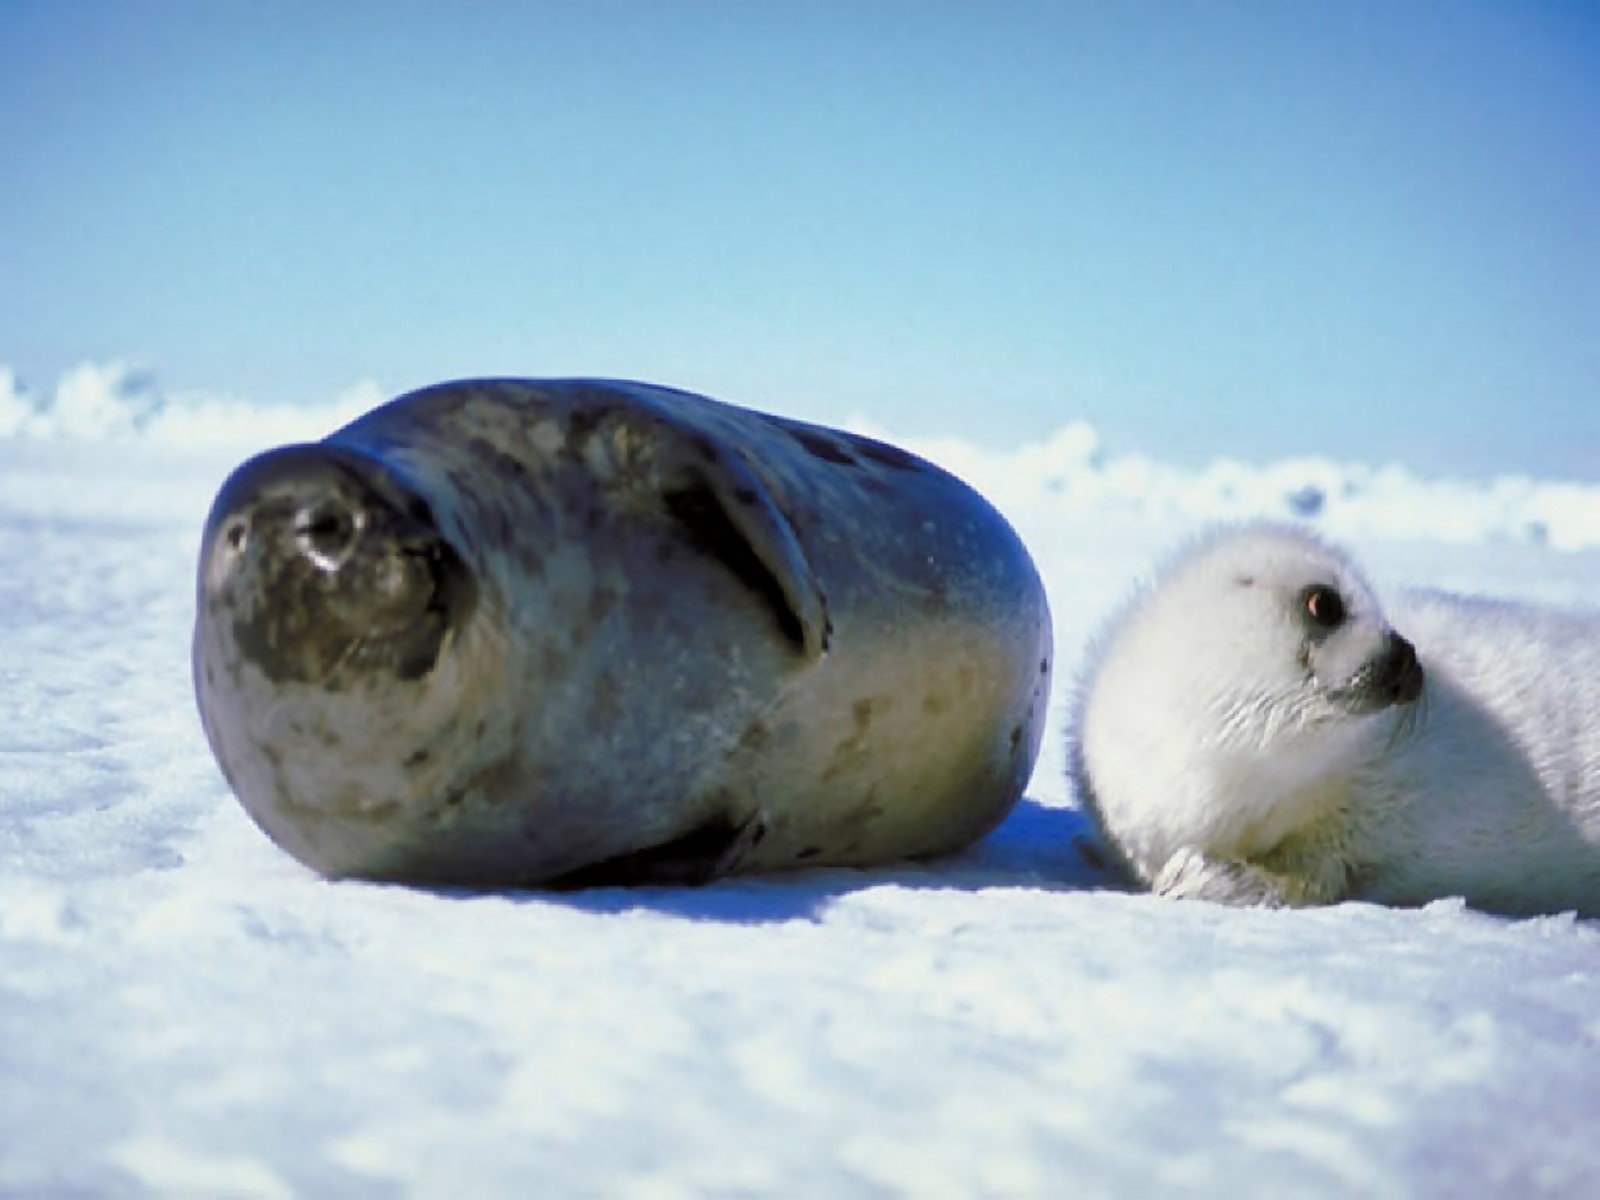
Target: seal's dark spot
<point>418,758</point>
<point>500,526</point>
<point>745,495</point>
<point>809,852</point>
<point>824,448</point>
<point>601,602</point>
<point>552,661</point>
<point>532,561</point>
<point>584,419</point>
<point>887,455</point>
<point>707,448</point>
<point>848,753</point>
<point>1044,666</point>
<point>711,532</point>
<point>490,454</point>
<point>604,705</point>
<point>934,705</point>
<point>1016,738</point>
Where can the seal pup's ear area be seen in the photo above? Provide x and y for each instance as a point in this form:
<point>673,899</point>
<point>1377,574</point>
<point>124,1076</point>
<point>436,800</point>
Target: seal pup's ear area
<point>731,515</point>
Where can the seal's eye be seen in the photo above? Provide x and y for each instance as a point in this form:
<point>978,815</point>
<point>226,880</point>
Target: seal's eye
<point>1323,605</point>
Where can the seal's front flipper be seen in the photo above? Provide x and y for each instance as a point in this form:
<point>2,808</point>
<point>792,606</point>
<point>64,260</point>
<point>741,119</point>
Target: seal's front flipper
<point>731,515</point>
<point>709,852</point>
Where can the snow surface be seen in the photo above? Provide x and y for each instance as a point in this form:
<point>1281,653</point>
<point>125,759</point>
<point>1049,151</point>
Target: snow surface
<point>186,1011</point>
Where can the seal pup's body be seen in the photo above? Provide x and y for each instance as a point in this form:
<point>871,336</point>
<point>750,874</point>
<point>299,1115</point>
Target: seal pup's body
<point>1255,729</point>
<point>511,632</point>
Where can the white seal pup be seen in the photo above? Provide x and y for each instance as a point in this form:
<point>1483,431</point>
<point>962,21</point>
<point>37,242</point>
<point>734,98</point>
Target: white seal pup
<point>1255,729</point>
<point>506,632</point>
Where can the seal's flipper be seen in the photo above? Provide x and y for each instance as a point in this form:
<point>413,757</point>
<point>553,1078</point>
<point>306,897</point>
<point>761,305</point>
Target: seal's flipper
<point>731,515</point>
<point>698,857</point>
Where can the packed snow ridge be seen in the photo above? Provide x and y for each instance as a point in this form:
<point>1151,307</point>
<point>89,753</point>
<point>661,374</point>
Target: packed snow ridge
<point>1068,473</point>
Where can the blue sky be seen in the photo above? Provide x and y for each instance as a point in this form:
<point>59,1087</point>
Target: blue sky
<point>1369,230</point>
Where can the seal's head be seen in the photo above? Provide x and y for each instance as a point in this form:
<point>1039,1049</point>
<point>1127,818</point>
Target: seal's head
<point>323,568</point>
<point>334,654</point>
<point>1236,691</point>
<point>1278,631</point>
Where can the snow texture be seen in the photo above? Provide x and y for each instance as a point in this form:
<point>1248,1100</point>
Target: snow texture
<point>184,1011</point>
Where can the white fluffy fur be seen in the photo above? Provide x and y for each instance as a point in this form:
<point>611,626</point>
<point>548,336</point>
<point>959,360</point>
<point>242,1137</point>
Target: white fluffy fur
<point>1208,743</point>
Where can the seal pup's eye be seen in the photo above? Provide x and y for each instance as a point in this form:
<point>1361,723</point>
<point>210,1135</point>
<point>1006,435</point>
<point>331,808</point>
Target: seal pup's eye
<point>1323,605</point>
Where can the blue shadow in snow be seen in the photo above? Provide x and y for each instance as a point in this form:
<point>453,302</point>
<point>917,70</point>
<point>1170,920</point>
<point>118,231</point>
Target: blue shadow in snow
<point>1037,846</point>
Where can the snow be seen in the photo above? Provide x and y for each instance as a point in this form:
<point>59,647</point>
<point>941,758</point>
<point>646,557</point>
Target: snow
<point>186,1011</point>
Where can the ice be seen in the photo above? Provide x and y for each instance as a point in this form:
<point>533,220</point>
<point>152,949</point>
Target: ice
<point>185,1011</point>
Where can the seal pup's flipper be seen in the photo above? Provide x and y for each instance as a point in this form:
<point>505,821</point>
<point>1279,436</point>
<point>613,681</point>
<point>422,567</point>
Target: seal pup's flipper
<point>730,514</point>
<point>1193,875</point>
<point>700,856</point>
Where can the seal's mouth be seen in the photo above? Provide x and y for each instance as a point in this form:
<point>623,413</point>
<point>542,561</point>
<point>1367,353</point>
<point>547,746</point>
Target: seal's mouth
<point>396,614</point>
<point>328,570</point>
<point>1392,676</point>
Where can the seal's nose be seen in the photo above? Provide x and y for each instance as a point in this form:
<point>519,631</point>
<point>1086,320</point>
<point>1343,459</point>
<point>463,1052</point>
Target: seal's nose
<point>312,500</point>
<point>327,528</point>
<point>1400,679</point>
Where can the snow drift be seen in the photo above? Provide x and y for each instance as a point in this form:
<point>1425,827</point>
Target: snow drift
<point>1069,473</point>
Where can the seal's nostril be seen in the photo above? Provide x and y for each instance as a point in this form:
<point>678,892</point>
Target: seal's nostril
<point>326,530</point>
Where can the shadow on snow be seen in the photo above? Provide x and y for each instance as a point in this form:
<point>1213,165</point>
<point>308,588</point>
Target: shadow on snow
<point>1037,846</point>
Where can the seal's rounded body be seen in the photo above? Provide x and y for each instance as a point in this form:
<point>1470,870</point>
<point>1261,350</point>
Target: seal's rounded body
<point>1256,729</point>
<point>507,632</point>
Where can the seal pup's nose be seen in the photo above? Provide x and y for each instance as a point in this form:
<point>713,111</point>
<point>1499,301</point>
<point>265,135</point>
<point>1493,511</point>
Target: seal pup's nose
<point>1400,678</point>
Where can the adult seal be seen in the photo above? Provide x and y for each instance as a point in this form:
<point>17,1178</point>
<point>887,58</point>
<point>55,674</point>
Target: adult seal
<point>508,632</point>
<point>1255,729</point>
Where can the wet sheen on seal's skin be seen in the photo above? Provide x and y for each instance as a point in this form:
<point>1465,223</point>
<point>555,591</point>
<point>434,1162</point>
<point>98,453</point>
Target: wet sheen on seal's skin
<point>576,631</point>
